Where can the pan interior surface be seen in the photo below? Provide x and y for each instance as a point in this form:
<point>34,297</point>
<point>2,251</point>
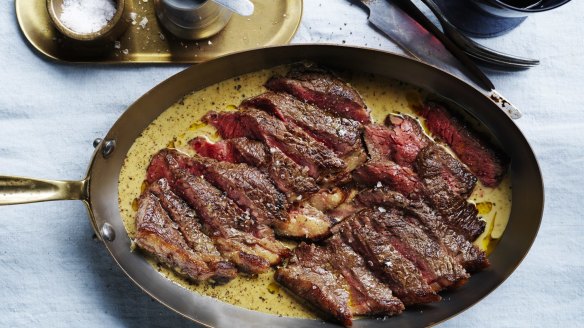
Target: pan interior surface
<point>147,109</point>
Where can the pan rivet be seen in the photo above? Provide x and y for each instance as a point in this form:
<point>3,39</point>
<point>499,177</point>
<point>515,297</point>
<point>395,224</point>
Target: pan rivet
<point>108,148</point>
<point>107,232</point>
<point>96,142</point>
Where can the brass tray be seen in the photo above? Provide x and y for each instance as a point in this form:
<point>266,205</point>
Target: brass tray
<point>273,23</point>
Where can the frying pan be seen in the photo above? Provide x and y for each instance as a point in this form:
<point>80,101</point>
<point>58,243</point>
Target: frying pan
<point>99,190</point>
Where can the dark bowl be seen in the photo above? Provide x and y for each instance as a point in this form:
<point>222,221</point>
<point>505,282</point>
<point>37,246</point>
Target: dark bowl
<point>502,9</point>
<point>488,18</point>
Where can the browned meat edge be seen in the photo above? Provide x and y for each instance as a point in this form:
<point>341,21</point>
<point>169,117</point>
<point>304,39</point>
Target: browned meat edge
<point>487,162</point>
<point>321,88</point>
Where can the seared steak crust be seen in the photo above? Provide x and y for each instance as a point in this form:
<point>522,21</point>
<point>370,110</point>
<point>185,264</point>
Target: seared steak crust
<point>310,275</point>
<point>236,234</point>
<point>382,258</point>
<point>467,254</point>
<point>250,189</point>
<point>339,134</point>
<point>388,173</point>
<point>487,163</point>
<point>438,268</point>
<point>459,179</point>
<point>458,214</point>
<point>159,236</point>
<point>368,294</point>
<point>188,224</point>
<point>291,140</point>
<point>335,280</point>
<point>321,88</point>
<point>288,176</point>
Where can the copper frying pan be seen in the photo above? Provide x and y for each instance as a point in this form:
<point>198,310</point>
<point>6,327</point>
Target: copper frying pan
<point>99,190</point>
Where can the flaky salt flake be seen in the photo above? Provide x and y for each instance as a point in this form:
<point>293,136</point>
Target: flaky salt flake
<point>382,210</point>
<point>143,22</point>
<point>133,17</point>
<point>209,42</point>
<point>378,185</point>
<point>125,51</point>
<point>117,44</point>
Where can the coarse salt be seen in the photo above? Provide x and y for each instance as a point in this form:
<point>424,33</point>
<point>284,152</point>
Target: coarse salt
<point>143,22</point>
<point>87,16</point>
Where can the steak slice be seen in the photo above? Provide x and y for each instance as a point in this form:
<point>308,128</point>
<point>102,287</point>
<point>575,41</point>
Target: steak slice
<point>287,175</point>
<point>321,88</point>
<point>467,254</point>
<point>386,172</point>
<point>377,140</point>
<point>437,267</point>
<point>406,138</point>
<point>339,134</point>
<point>335,279</point>
<point>310,276</point>
<point>407,141</point>
<point>159,236</point>
<point>253,191</point>
<point>458,214</point>
<point>236,234</point>
<point>385,261</point>
<point>245,185</point>
<point>484,160</point>
<point>188,224</point>
<point>250,189</point>
<point>437,161</point>
<point>368,295</point>
<point>291,140</point>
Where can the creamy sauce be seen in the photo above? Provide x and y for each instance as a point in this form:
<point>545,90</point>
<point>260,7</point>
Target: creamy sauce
<point>182,122</point>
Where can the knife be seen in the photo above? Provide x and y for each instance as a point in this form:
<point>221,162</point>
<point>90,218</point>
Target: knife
<point>423,45</point>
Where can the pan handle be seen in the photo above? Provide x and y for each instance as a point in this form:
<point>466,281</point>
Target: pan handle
<point>20,190</point>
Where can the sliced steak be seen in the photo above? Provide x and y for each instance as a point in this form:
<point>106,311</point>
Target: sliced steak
<point>339,134</point>
<point>253,191</point>
<point>321,88</point>
<point>467,254</point>
<point>483,159</point>
<point>388,173</point>
<point>291,140</point>
<point>407,141</point>
<point>377,140</point>
<point>336,281</point>
<point>438,268</point>
<point>288,176</point>
<point>437,162</point>
<point>250,189</point>
<point>310,276</point>
<point>235,233</point>
<point>458,214</point>
<point>159,236</point>
<point>368,294</point>
<point>388,264</point>
<point>245,185</point>
<point>188,224</point>
<point>406,138</point>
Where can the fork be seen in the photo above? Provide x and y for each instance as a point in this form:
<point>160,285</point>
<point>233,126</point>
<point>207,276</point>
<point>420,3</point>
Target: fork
<point>476,50</point>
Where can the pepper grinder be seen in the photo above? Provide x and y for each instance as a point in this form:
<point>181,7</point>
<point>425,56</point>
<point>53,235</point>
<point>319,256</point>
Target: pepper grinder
<point>198,19</point>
